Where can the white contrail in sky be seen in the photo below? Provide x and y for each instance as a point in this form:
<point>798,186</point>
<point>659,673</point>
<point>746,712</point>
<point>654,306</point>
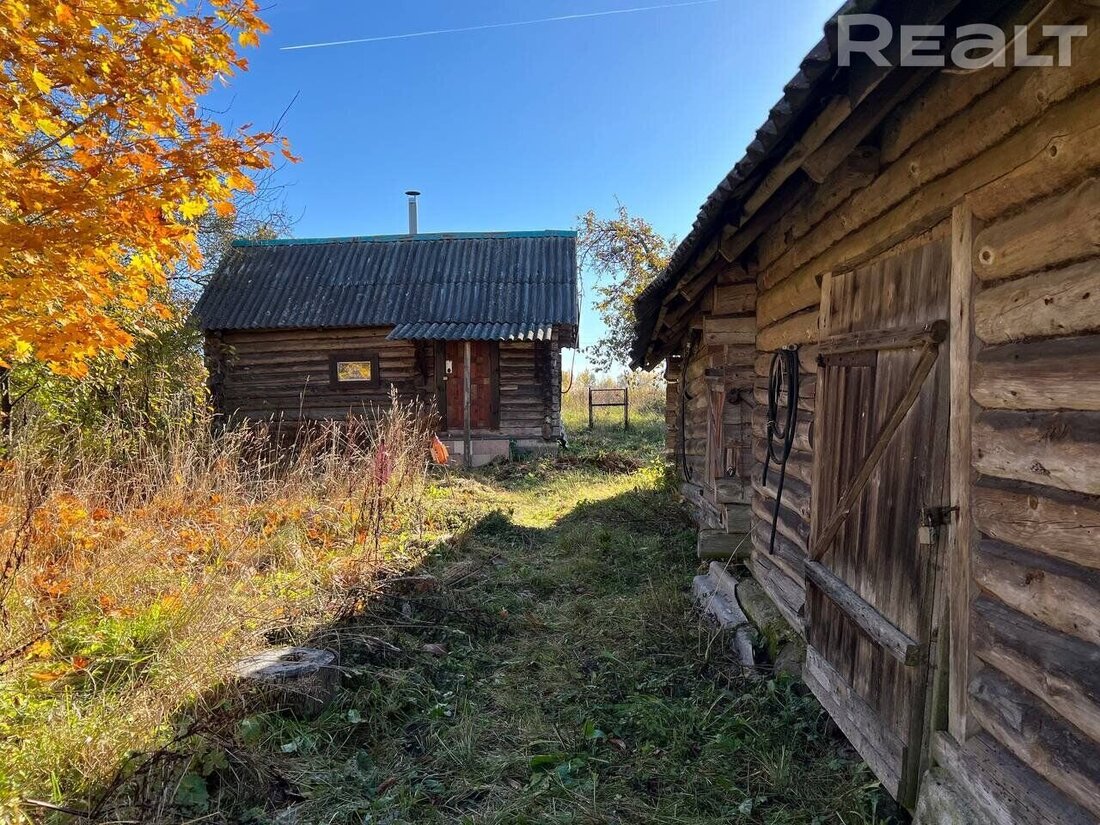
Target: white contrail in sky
<point>498,25</point>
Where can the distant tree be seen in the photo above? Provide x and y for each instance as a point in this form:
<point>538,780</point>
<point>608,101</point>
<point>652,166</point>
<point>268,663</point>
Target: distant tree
<point>624,254</point>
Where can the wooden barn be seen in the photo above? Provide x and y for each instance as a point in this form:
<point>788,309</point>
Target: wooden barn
<point>327,328</point>
<point>910,258</point>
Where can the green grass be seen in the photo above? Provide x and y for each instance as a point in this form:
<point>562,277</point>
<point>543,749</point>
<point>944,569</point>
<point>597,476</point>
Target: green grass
<point>544,666</point>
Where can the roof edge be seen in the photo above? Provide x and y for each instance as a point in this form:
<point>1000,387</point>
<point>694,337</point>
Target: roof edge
<point>423,236</point>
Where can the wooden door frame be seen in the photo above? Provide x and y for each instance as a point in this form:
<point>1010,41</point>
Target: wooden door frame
<point>960,724</point>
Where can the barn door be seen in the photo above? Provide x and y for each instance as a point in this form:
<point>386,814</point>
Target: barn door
<point>880,489</point>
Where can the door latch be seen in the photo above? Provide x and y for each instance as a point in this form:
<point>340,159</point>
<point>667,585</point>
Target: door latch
<point>932,519</point>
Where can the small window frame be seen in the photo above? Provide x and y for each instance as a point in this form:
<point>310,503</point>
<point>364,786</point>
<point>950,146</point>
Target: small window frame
<point>354,355</point>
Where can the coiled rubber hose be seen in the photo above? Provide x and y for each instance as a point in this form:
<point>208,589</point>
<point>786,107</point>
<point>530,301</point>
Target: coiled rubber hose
<point>689,350</point>
<point>783,376</point>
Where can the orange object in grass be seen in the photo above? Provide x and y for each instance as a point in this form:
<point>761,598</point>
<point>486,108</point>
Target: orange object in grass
<point>439,451</point>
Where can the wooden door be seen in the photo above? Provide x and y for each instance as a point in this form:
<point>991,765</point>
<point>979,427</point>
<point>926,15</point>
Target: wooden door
<point>483,385</point>
<point>880,489</point>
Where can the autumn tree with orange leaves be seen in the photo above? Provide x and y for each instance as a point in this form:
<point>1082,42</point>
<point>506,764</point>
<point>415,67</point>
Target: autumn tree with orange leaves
<point>107,162</point>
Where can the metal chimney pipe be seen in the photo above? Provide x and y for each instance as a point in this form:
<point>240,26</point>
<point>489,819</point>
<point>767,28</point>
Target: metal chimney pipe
<point>413,195</point>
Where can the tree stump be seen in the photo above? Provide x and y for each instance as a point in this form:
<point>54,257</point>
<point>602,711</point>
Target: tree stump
<point>301,680</point>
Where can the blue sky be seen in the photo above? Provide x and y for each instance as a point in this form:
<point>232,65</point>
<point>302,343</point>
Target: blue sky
<point>516,128</point>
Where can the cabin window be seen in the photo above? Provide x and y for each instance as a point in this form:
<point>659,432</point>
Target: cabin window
<point>352,370</point>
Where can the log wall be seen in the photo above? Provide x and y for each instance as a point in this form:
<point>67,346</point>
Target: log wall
<point>284,374</point>
<point>710,395</point>
<point>1010,158</point>
<point>1021,156</point>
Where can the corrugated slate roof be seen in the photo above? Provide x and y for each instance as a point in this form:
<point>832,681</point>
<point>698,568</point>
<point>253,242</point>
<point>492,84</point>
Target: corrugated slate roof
<point>484,286</point>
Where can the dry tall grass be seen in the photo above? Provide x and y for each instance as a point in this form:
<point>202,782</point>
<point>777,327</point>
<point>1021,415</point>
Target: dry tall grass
<point>134,572</point>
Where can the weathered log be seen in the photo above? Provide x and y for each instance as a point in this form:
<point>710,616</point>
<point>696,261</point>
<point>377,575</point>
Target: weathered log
<point>1043,375</point>
<point>807,361</point>
<point>857,171</point>
<point>301,680</point>
<point>796,495</point>
<point>738,236</point>
<point>885,213</point>
<point>787,298</point>
<point>1061,302</point>
<point>784,553</point>
<point>1063,228</point>
<point>941,799</point>
<point>1057,449</point>
<point>862,122</point>
<point>803,430</point>
<point>798,329</point>
<point>1061,595</point>
<point>716,592</point>
<point>733,299</point>
<point>807,389</point>
<point>1051,747</point>
<point>1060,524</point>
<point>799,464</point>
<point>789,525</point>
<point>789,595</point>
<point>1006,791</point>
<point>945,96</point>
<point>718,545</point>
<point>762,612</point>
<point>733,330</point>
<point>1063,161</point>
<point>738,513</point>
<point>1062,670</point>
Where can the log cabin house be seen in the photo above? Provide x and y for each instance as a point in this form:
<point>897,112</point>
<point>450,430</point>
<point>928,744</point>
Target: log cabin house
<point>924,245</point>
<point>472,324</point>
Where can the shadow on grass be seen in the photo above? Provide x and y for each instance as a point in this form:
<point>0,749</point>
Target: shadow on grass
<point>522,674</point>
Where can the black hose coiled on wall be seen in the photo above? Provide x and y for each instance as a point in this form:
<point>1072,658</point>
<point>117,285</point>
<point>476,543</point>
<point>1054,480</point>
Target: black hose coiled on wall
<point>684,398</point>
<point>783,376</point>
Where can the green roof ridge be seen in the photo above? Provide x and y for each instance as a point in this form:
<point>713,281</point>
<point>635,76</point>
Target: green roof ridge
<point>423,236</point>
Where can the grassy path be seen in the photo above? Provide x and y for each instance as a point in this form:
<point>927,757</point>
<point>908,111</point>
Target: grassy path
<point>546,668</point>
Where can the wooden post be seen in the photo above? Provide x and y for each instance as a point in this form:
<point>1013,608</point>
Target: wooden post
<point>591,422</point>
<point>959,723</point>
<point>466,392</point>
<point>626,408</point>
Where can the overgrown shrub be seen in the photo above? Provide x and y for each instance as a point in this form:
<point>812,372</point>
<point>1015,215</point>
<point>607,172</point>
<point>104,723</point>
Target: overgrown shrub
<point>136,566</point>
